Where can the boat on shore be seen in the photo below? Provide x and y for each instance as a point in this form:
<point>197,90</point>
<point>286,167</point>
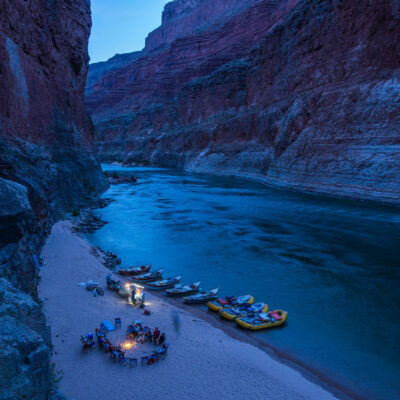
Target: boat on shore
<point>263,320</point>
<point>164,284</point>
<point>149,277</point>
<point>180,290</point>
<point>131,271</point>
<point>243,310</point>
<point>201,297</point>
<point>229,301</point>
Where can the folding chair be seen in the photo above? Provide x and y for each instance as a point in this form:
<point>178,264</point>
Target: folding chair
<point>132,361</point>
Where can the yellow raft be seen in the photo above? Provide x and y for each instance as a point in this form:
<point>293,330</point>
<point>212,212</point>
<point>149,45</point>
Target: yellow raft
<point>232,313</point>
<point>226,302</point>
<point>263,321</point>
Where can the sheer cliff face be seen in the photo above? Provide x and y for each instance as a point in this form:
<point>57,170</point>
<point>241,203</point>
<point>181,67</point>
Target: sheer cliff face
<point>303,95</point>
<point>186,17</point>
<point>46,168</point>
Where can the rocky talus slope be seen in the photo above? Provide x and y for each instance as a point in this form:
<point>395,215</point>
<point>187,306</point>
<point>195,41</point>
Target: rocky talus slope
<point>47,167</point>
<point>302,95</point>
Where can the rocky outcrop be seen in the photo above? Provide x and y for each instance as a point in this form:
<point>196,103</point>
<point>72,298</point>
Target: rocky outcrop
<point>47,167</point>
<point>304,97</point>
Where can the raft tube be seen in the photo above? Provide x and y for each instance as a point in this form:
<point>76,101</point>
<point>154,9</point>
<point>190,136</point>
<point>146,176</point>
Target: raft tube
<point>219,304</point>
<point>232,313</point>
<point>263,321</point>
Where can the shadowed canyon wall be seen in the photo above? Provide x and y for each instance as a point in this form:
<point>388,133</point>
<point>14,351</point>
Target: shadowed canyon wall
<point>302,95</point>
<point>47,167</point>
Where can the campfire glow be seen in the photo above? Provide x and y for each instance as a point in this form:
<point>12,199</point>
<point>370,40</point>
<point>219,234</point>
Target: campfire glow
<point>128,345</point>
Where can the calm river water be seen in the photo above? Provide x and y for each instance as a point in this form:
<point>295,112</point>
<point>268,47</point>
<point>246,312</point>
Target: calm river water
<point>333,265</point>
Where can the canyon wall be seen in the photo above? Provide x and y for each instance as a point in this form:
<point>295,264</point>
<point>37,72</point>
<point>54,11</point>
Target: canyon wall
<point>47,168</point>
<point>302,95</point>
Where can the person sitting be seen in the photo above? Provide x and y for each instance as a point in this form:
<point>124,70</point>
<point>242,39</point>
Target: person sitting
<point>137,328</point>
<point>161,340</point>
<point>156,335</point>
<point>146,335</point>
<point>101,341</point>
<point>115,355</point>
<point>130,331</point>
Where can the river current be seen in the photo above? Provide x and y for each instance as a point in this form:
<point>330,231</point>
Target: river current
<point>334,265</point>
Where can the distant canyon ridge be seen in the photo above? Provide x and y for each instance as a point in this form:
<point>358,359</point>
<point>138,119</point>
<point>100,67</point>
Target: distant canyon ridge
<point>301,94</point>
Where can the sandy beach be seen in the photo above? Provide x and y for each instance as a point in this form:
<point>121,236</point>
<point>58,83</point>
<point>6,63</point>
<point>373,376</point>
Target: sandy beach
<point>203,362</point>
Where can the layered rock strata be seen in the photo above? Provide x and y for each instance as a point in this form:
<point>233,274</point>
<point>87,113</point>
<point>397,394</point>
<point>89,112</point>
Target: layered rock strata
<point>47,168</point>
<point>302,95</point>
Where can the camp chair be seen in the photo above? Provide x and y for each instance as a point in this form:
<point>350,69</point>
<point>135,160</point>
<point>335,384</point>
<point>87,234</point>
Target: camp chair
<point>132,361</point>
<point>122,360</point>
<point>144,361</point>
<point>117,323</point>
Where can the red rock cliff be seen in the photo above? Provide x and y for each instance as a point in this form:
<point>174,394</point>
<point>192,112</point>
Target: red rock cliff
<point>47,167</point>
<point>300,95</point>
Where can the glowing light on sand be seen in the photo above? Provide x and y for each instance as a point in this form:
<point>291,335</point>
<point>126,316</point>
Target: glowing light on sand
<point>128,345</point>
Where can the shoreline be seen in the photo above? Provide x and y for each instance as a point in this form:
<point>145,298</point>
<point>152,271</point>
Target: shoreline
<point>258,178</point>
<point>311,373</point>
<point>334,386</point>
<point>201,355</point>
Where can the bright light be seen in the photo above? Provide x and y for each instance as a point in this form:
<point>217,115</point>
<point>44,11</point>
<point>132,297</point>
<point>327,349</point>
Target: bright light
<point>128,345</point>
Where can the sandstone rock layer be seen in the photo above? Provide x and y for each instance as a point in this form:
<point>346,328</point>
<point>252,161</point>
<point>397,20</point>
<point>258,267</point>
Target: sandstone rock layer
<point>302,95</point>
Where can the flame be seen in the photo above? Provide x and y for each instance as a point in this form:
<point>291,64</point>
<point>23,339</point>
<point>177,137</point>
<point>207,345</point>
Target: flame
<point>128,345</point>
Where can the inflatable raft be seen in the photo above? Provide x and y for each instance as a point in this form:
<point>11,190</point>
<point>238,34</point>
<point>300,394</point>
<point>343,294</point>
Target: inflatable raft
<point>134,270</point>
<point>229,301</point>
<point>201,297</point>
<point>263,321</point>
<point>149,277</point>
<point>164,284</point>
<point>180,290</point>
<point>232,313</point>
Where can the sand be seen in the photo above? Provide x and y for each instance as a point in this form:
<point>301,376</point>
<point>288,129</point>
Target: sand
<point>203,362</point>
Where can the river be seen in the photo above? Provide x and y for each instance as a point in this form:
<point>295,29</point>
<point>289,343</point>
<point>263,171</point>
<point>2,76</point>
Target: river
<point>334,265</point>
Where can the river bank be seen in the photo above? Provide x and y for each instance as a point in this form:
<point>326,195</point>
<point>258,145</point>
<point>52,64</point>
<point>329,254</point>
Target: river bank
<point>203,361</point>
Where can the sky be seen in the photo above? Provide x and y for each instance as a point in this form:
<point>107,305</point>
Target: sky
<point>121,26</point>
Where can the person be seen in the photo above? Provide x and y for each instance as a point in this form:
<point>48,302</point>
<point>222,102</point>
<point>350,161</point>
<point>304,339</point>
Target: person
<point>146,335</point>
<point>156,334</point>
<point>161,340</point>
<point>140,297</point>
<point>133,297</point>
<point>115,354</point>
<point>101,342</point>
<point>137,328</point>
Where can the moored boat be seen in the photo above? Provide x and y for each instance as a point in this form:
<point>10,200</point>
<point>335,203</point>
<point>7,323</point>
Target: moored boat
<point>263,320</point>
<point>201,297</point>
<point>149,277</point>
<point>164,284</point>
<point>180,290</point>
<point>131,271</point>
<point>229,301</point>
<point>243,310</point>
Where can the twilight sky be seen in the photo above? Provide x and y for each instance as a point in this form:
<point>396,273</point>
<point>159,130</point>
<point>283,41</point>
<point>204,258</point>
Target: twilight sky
<point>121,26</point>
